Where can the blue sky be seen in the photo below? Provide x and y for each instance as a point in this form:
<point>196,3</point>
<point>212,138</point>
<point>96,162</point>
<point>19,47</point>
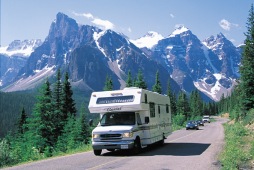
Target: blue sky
<point>31,19</point>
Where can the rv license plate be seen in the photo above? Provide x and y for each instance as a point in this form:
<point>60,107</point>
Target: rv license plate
<point>124,146</point>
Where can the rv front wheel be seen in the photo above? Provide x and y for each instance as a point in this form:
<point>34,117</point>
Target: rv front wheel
<point>137,146</point>
<point>97,152</point>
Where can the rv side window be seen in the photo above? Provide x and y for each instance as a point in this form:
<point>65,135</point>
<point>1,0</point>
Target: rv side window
<point>152,109</point>
<point>145,98</point>
<point>159,109</point>
<point>167,108</point>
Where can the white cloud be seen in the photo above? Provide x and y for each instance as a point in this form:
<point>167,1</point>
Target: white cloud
<point>226,25</point>
<point>104,24</point>
<point>172,15</point>
<point>129,29</point>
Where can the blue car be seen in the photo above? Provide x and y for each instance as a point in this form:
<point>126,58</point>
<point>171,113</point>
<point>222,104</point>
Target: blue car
<point>192,125</point>
<point>200,122</point>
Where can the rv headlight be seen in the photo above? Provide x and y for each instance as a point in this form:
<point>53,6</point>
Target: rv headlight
<point>96,136</point>
<point>127,135</point>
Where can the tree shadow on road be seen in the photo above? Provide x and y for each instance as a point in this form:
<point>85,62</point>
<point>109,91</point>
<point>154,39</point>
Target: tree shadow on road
<point>171,149</point>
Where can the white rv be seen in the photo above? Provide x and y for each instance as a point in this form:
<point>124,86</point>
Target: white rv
<point>131,118</point>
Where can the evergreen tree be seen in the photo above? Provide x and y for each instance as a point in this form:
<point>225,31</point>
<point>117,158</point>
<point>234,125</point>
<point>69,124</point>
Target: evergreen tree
<point>108,84</point>
<point>172,99</point>
<point>247,66</point>
<point>195,104</point>
<point>85,132</point>
<point>140,82</point>
<point>22,121</point>
<point>129,82</point>
<point>183,105</point>
<point>157,86</point>
<point>67,139</point>
<point>42,123</point>
<point>57,98</point>
<point>68,103</point>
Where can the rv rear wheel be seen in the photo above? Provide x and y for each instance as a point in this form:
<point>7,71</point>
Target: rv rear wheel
<point>97,152</point>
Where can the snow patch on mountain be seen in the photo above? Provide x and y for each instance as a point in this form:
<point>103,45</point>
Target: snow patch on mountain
<point>205,49</point>
<point>96,37</point>
<point>214,91</point>
<point>178,31</point>
<point>20,48</point>
<point>149,40</point>
<point>32,81</point>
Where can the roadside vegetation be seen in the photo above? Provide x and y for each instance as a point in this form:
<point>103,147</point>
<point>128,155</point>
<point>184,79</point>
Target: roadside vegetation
<point>238,151</point>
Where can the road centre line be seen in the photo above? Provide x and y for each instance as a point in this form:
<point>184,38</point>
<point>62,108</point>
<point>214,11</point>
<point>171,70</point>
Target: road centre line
<point>98,166</point>
<point>184,136</point>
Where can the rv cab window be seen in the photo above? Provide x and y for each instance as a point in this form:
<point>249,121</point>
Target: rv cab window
<point>118,118</point>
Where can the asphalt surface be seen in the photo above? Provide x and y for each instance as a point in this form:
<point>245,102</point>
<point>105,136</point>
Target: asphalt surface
<point>183,149</point>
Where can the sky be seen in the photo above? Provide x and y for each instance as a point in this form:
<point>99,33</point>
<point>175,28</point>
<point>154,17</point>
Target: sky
<point>31,19</point>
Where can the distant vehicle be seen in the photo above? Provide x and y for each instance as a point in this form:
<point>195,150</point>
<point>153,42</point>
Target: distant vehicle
<point>131,119</point>
<point>200,122</point>
<point>206,118</point>
<point>192,125</point>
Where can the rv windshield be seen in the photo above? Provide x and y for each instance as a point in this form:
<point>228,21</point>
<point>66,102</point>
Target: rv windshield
<point>118,118</point>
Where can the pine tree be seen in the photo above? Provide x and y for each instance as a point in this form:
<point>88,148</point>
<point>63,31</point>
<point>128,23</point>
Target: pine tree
<point>140,82</point>
<point>247,66</point>
<point>172,99</point>
<point>129,80</point>
<point>57,98</point>
<point>68,104</point>
<point>195,104</point>
<point>22,121</point>
<point>42,121</point>
<point>85,132</point>
<point>157,86</point>
<point>183,105</point>
<point>108,84</point>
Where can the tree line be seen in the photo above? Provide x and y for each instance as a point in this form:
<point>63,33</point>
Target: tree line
<point>53,127</point>
<point>240,103</point>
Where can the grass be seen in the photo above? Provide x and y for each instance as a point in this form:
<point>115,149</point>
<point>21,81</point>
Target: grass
<point>238,152</point>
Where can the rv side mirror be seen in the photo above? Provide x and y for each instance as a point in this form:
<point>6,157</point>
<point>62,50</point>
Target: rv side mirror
<point>147,120</point>
<point>90,122</point>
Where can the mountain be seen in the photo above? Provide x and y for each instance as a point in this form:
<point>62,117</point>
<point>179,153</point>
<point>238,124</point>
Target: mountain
<point>210,66</point>
<point>90,54</point>
<point>13,57</point>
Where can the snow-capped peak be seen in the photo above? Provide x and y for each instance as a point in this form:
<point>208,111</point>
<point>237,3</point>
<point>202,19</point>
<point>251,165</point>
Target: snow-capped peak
<point>148,40</point>
<point>178,30</point>
<point>20,48</point>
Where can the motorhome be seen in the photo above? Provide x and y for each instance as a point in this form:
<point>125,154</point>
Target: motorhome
<point>131,118</point>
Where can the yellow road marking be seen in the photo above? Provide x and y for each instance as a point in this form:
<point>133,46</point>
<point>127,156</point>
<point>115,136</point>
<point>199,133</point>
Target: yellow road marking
<point>183,136</point>
<point>105,163</point>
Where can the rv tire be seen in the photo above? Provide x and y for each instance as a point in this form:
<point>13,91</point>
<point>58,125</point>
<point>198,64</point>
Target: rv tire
<point>137,146</point>
<point>97,152</point>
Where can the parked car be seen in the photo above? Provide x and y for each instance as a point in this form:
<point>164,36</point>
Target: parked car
<point>192,125</point>
<point>200,122</point>
<point>206,118</point>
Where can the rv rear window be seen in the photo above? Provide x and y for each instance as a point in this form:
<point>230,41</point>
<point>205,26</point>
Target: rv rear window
<point>115,99</point>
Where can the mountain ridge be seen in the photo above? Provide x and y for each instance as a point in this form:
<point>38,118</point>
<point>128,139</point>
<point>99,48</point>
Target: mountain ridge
<point>181,58</point>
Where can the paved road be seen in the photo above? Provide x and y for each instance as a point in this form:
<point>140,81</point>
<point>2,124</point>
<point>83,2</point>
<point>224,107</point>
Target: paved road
<point>184,149</point>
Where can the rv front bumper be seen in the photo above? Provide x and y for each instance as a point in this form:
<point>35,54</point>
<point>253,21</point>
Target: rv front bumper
<point>113,145</point>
